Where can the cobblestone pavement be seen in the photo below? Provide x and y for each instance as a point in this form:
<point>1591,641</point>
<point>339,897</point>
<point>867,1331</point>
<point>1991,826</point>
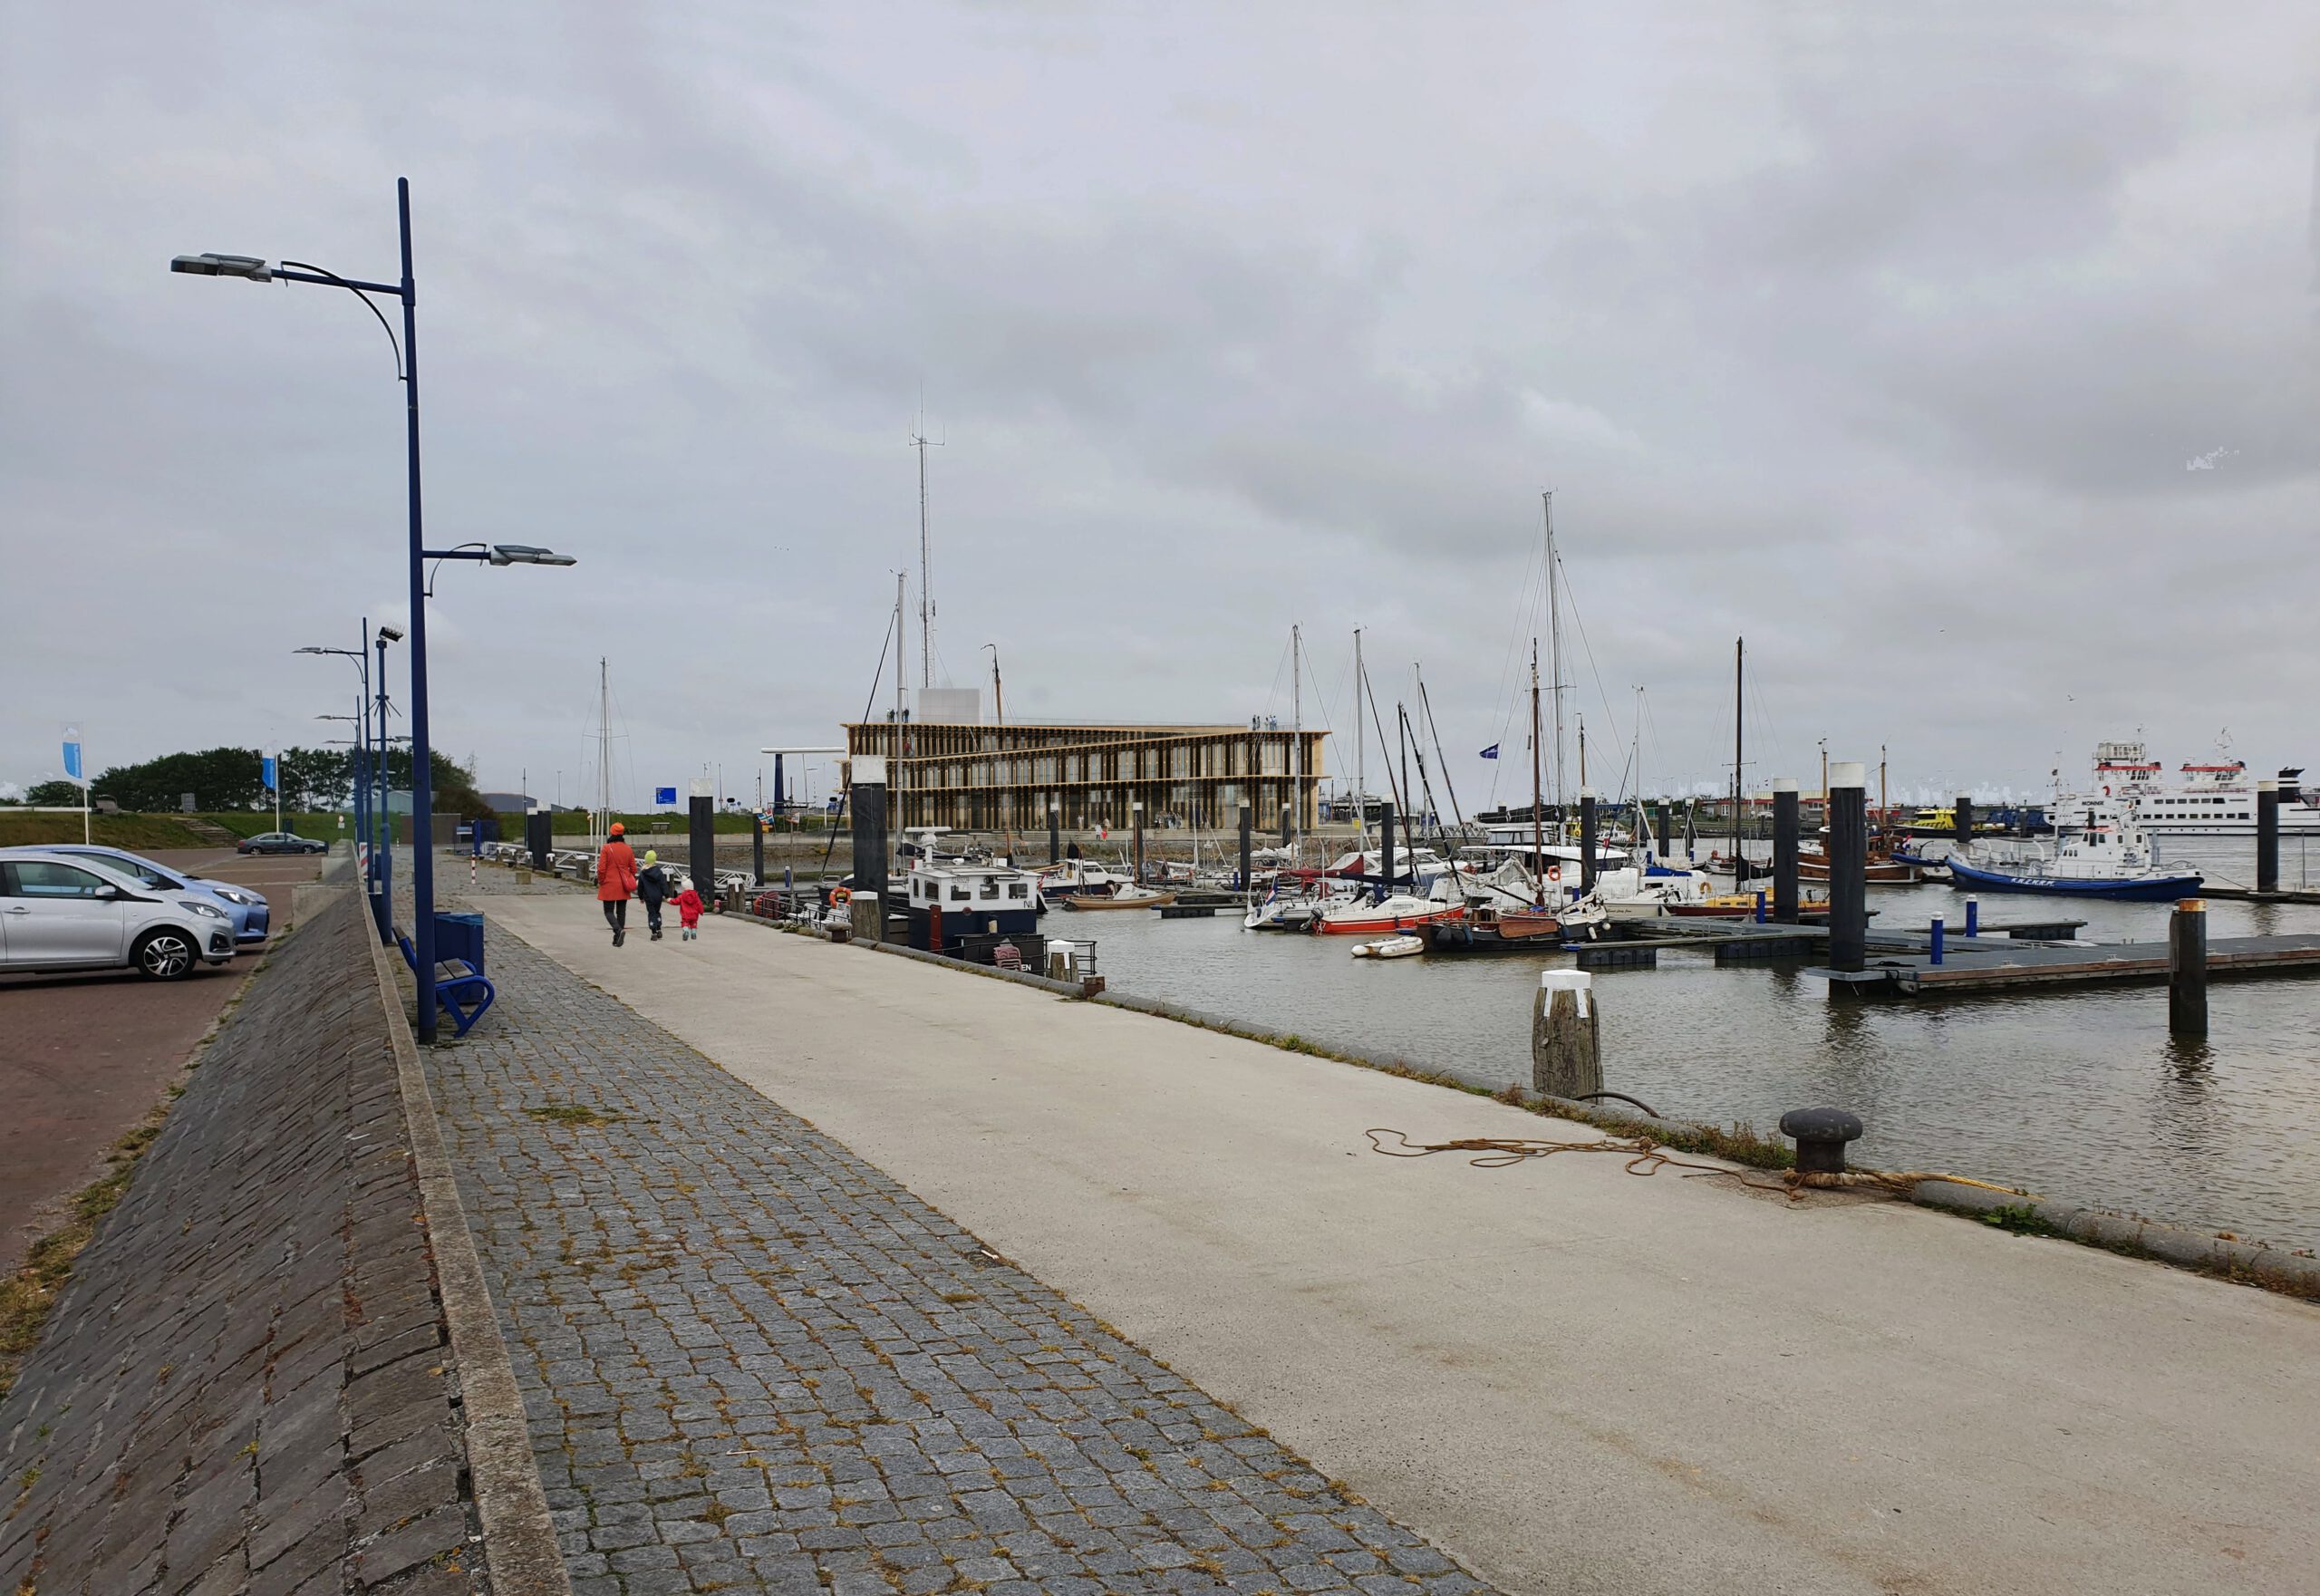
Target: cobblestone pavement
<point>754,1361</point>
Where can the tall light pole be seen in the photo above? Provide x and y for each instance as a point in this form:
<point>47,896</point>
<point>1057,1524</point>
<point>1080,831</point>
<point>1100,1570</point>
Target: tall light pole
<point>422,808</point>
<point>360,774</point>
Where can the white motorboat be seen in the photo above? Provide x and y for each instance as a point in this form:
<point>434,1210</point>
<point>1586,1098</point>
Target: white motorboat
<point>1127,896</point>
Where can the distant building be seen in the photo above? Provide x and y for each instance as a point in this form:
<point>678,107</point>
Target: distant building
<point>971,777</point>
<point>508,803</point>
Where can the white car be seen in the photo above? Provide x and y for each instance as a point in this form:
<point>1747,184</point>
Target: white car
<point>63,911</point>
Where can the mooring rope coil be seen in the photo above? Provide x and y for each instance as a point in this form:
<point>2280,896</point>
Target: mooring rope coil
<point>1647,1157</point>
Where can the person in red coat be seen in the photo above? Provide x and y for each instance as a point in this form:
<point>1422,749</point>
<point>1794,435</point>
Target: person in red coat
<point>616,881</point>
<point>688,910</point>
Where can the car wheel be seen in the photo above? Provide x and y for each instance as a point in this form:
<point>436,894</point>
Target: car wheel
<point>165,954</point>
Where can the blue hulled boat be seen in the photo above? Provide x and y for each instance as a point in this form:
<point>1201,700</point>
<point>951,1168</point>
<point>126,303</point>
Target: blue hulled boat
<point>2098,852</point>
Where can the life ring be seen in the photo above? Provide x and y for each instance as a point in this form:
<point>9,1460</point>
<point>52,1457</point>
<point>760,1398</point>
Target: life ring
<point>840,896</point>
<point>1554,872</point>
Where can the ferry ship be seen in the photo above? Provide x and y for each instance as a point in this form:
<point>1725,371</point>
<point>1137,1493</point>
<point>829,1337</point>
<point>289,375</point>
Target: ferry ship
<point>2215,799</point>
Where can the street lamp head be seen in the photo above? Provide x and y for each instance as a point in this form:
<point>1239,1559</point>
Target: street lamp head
<point>525,554</point>
<point>223,266</point>
<point>390,635</point>
<point>310,649</point>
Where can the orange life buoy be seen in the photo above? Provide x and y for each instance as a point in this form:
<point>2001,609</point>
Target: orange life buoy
<point>1554,872</point>
<point>840,896</point>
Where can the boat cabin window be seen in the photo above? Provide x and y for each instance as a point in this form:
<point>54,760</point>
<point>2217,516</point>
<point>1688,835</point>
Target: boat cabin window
<point>1016,889</point>
<point>959,894</point>
<point>990,888</point>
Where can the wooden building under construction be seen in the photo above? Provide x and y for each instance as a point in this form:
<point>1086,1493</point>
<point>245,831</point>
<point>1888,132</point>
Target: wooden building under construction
<point>971,777</point>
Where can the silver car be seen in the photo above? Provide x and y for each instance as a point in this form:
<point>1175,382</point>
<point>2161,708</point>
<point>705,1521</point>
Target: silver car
<point>59,911</point>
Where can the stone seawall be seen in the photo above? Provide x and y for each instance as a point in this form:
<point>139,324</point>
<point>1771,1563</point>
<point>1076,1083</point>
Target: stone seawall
<point>247,1385</point>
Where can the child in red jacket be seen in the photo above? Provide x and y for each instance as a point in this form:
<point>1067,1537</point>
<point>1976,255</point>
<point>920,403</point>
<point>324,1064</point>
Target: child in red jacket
<point>688,909</point>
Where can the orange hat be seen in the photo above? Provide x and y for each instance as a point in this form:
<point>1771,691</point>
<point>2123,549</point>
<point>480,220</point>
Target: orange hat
<point>619,829</point>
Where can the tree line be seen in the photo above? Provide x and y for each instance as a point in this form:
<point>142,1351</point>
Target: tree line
<point>234,779</point>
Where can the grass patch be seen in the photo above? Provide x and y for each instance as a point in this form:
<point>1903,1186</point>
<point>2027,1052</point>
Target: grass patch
<point>27,1296</point>
<point>570,1114</point>
<point>2018,1219</point>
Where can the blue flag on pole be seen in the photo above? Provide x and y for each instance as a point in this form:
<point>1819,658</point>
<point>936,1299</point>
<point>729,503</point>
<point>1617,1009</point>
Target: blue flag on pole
<point>1490,752</point>
<point>269,768</point>
<point>72,753</point>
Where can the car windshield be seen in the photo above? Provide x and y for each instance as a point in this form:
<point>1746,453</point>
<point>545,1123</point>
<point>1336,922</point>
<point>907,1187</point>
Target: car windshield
<point>145,873</point>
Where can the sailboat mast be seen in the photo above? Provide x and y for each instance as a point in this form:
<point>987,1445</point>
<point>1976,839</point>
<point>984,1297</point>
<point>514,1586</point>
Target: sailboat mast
<point>1402,730</point>
<point>894,775</point>
<point>1739,671</point>
<point>1538,819</point>
<point>919,441</point>
<point>1554,648</point>
<point>1360,770</point>
<point>1297,734</point>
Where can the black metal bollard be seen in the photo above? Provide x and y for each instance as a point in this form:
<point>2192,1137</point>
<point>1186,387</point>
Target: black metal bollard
<point>1586,839</point>
<point>1848,866</point>
<point>2187,969</point>
<point>1784,836</point>
<point>702,814</point>
<point>2267,835</point>
<point>1821,1134</point>
<point>869,797</point>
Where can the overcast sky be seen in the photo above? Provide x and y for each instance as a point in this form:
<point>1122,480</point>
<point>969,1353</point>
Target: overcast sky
<point>1963,358</point>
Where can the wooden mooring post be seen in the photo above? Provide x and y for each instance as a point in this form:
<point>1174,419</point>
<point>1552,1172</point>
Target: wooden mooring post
<point>2187,969</point>
<point>1566,1060</point>
<point>868,909</point>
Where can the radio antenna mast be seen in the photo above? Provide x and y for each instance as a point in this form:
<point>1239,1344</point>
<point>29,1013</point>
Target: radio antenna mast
<point>919,441</point>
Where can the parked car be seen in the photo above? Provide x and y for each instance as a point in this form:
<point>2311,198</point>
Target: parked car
<point>63,911</point>
<point>280,842</point>
<point>244,906</point>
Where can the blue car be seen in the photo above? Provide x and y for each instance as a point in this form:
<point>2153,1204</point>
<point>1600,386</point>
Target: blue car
<point>245,907</point>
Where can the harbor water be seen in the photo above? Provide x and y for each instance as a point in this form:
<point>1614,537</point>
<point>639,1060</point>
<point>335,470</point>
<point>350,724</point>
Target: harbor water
<point>2077,1094</point>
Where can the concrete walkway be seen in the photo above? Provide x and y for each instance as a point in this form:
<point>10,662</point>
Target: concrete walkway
<point>752,1360</point>
<point>1574,1379</point>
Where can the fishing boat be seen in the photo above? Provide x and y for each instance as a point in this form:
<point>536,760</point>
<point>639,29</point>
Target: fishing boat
<point>1389,947</point>
<point>1885,866</point>
<point>2100,852</point>
<point>1126,895</point>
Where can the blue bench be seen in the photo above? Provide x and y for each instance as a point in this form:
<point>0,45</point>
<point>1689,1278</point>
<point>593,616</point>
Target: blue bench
<point>459,986</point>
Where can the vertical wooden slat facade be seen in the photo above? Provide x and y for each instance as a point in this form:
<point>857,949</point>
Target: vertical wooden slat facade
<point>976,777</point>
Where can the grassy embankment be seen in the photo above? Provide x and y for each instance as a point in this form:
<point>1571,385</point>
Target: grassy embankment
<point>143,833</point>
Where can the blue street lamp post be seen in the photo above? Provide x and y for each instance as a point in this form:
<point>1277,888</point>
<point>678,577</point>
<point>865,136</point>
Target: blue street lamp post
<point>422,808</point>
